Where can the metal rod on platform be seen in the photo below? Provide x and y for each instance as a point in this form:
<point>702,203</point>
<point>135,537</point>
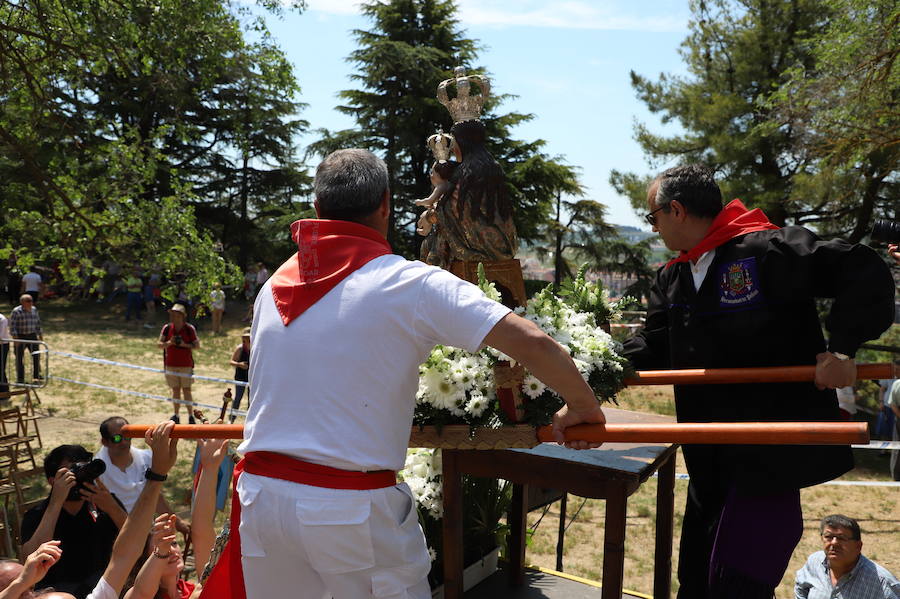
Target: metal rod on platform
<point>744,433</point>
<point>773,374</point>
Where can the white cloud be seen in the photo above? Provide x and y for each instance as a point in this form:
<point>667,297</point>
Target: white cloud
<point>572,14</point>
<point>335,7</point>
<point>575,14</point>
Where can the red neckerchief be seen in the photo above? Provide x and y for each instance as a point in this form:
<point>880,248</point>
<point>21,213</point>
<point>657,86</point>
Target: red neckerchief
<point>184,588</point>
<point>327,251</point>
<point>733,221</point>
<point>227,576</point>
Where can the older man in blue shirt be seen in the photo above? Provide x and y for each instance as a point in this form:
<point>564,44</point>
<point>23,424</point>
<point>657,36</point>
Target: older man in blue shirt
<point>840,571</point>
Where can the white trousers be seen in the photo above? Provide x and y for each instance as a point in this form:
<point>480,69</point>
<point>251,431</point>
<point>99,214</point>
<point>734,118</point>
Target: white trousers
<point>309,542</point>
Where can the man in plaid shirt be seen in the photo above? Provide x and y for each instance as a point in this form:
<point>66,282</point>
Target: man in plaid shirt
<point>840,571</point>
<point>24,323</point>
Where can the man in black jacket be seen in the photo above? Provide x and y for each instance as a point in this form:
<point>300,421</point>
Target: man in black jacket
<point>742,294</point>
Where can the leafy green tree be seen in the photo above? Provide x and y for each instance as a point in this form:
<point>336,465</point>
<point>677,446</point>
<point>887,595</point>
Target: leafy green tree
<point>846,113</point>
<point>249,193</point>
<point>736,55</point>
<point>413,46</point>
<point>111,113</point>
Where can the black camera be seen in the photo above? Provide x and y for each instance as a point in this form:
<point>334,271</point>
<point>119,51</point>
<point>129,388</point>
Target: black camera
<point>85,472</point>
<point>886,231</point>
<point>176,339</point>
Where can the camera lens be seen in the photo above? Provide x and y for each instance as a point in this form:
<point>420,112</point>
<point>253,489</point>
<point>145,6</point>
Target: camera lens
<point>886,231</point>
<point>85,472</point>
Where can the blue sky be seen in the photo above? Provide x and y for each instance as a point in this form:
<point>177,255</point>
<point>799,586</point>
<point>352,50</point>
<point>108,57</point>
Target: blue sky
<point>568,62</point>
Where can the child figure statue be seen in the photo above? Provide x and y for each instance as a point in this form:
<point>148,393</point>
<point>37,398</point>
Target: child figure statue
<point>440,179</point>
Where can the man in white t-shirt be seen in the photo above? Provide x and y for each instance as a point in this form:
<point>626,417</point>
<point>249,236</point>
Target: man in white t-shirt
<point>126,467</point>
<point>32,284</point>
<point>338,334</point>
<point>17,581</point>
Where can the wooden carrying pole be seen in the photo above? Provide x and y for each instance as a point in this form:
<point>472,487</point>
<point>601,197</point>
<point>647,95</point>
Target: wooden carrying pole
<point>773,374</point>
<point>732,433</point>
<point>755,433</point>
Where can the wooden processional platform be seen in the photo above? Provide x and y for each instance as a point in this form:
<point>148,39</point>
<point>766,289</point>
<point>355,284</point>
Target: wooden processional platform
<point>539,585</point>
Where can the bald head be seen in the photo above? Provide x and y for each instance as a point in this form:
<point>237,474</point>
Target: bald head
<point>9,570</point>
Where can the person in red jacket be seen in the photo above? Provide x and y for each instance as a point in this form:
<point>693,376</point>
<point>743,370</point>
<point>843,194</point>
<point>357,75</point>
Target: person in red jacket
<point>178,340</point>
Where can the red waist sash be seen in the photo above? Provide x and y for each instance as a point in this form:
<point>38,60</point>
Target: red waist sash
<point>227,577</point>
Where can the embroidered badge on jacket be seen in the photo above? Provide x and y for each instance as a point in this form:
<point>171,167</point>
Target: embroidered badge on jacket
<point>739,283</point>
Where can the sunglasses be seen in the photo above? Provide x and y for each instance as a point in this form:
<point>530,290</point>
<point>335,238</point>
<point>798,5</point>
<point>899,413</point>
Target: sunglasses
<point>117,438</point>
<point>651,218</point>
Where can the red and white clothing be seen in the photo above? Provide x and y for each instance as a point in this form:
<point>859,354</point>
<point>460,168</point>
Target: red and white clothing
<point>336,387</point>
<point>182,357</point>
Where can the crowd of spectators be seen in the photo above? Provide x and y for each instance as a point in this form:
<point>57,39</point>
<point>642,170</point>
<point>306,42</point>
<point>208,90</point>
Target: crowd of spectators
<point>85,539</point>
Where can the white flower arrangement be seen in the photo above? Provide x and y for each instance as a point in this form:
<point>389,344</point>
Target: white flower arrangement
<point>457,387</point>
<point>422,472</point>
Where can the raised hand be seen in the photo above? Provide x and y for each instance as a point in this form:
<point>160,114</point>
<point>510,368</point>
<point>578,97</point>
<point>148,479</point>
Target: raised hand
<point>39,562</point>
<point>212,452</point>
<point>165,449</point>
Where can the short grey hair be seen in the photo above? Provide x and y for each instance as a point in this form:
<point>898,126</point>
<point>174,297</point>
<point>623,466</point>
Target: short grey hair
<point>841,521</point>
<point>694,186</point>
<point>350,184</point>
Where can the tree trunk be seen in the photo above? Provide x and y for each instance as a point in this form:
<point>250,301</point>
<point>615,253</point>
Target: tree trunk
<point>557,254</point>
<point>874,179</point>
<point>242,230</point>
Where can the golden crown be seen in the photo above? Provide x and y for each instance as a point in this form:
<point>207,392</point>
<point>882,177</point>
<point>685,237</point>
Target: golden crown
<point>464,107</point>
<point>440,145</point>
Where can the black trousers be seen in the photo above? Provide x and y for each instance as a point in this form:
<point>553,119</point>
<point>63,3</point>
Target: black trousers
<point>711,564</point>
<point>4,354</point>
<point>20,355</point>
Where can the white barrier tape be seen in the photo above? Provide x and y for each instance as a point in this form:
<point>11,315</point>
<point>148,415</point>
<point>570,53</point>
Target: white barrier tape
<point>196,377</point>
<point>879,445</point>
<point>148,395</point>
<point>843,483</point>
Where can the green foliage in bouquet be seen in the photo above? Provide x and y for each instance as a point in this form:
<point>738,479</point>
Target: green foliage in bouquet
<point>457,387</point>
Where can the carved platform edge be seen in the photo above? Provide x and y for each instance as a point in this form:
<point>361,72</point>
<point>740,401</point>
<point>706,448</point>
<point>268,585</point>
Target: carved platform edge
<point>459,436</point>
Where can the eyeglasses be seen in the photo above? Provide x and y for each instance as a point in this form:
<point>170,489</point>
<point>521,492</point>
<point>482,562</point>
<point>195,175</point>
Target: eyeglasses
<point>652,219</point>
<point>828,537</point>
<point>117,438</point>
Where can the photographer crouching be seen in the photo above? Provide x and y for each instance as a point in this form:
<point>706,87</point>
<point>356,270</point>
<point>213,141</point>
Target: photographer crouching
<point>81,513</point>
<point>17,581</point>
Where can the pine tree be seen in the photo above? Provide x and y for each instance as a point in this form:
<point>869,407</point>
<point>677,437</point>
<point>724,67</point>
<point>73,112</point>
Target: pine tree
<point>412,46</point>
<point>736,55</point>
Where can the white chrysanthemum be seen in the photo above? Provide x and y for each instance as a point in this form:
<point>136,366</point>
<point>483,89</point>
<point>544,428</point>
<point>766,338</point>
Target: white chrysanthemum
<point>476,405</point>
<point>463,374</point>
<point>445,394</point>
<point>563,337</point>
<point>532,386</point>
<point>582,366</point>
<point>432,554</point>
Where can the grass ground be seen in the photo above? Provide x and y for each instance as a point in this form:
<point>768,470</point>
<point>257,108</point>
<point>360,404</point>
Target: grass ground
<point>99,330</point>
